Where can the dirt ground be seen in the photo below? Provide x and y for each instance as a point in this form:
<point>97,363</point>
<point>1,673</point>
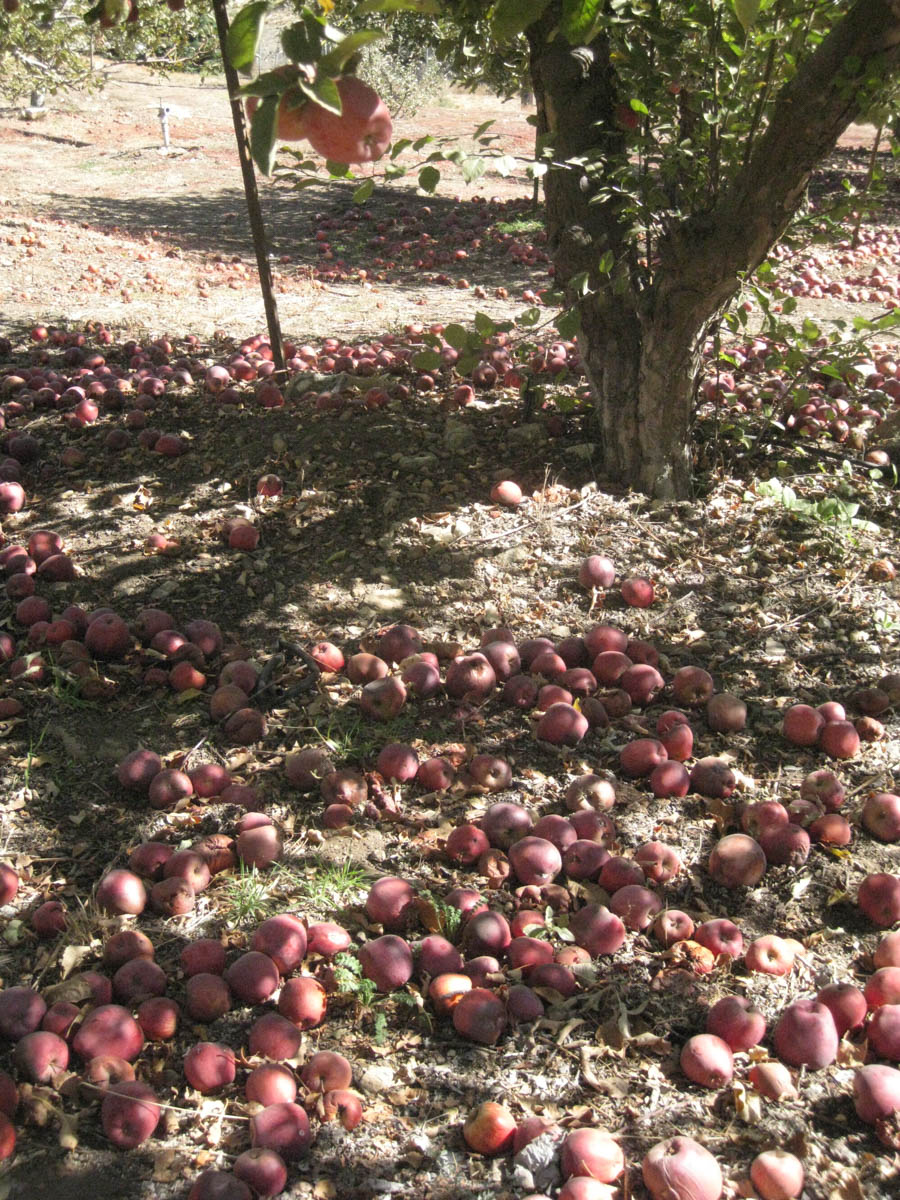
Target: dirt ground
<point>386,516</point>
<point>123,231</point>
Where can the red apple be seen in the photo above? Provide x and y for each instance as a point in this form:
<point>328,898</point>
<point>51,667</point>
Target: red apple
<point>879,899</point>
<point>735,1020</point>
<point>876,1092</point>
<point>777,1175</point>
<point>129,1113</point>
<point>597,571</point>
<point>847,1005</point>
<point>770,955</point>
<point>638,592</point>
<point>707,1060</point>
<point>881,816</point>
<point>681,1169</point>
<point>802,725</point>
<point>806,1035</point>
<point>839,739</point>
<point>692,686</point>
<point>592,1152</point>
<point>490,1129</point>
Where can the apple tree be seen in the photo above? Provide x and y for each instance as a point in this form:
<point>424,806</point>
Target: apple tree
<point>678,140</point>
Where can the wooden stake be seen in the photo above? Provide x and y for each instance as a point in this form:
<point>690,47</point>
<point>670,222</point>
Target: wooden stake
<point>251,192</point>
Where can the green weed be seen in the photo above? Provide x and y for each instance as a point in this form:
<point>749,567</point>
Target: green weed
<point>449,918</point>
<point>249,895</point>
<point>350,981</point>
<point>328,885</point>
<point>33,748</point>
<point>836,512</point>
<point>521,225</point>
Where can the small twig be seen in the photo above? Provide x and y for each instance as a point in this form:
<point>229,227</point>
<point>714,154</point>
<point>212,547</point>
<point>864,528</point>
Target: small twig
<point>193,750</point>
<point>111,1090</point>
<point>525,524</point>
<point>268,695</point>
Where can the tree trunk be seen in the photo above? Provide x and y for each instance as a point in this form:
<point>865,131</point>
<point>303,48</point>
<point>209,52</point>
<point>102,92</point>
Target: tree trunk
<point>643,375</point>
<point>642,325</point>
<point>641,362</point>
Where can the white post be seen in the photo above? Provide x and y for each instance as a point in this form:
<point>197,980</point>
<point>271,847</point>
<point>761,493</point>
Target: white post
<point>163,115</point>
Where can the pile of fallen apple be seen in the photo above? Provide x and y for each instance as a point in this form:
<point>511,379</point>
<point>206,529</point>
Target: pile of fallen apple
<point>849,409</point>
<point>91,394</point>
<point>532,945</point>
<point>508,960</point>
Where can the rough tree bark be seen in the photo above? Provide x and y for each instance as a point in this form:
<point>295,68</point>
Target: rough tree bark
<point>641,343</point>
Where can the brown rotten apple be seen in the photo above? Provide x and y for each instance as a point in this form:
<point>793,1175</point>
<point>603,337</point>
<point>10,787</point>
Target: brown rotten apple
<point>737,861</point>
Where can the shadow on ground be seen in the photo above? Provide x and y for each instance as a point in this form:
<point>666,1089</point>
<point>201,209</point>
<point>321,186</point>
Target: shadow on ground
<point>408,225</point>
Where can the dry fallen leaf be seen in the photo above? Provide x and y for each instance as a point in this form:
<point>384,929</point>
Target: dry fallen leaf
<point>747,1103</point>
<point>72,957</point>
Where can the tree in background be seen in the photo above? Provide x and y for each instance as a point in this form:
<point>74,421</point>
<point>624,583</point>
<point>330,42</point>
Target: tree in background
<point>47,46</point>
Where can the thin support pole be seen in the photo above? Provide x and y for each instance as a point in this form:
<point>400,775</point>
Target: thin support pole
<point>251,192</point>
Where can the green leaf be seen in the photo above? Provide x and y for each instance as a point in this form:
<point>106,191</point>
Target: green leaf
<point>529,317</point>
<point>364,191</point>
<point>472,168</point>
<point>269,83</point>
<point>429,8</point>
<point>302,42</point>
<point>504,165</point>
<point>580,19</point>
<point>747,12</point>
<point>456,336</point>
<point>485,325</point>
<point>810,330</point>
<point>338,170</point>
<point>262,134</point>
<point>512,17</point>
<point>426,360</point>
<point>605,265</point>
<point>399,146</point>
<point>334,61</point>
<point>243,36</point>
<point>323,91</point>
<point>580,284</point>
<point>568,323</point>
<point>429,178</point>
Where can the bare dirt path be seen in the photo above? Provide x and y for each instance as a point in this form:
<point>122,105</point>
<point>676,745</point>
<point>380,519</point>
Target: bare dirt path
<point>101,222</point>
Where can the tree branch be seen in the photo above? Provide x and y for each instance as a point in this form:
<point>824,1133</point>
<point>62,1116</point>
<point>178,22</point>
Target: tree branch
<point>809,115</point>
